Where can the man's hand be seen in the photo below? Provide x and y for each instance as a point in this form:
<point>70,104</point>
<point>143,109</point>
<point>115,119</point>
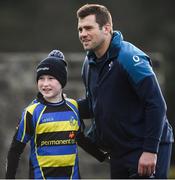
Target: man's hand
<point>147,164</point>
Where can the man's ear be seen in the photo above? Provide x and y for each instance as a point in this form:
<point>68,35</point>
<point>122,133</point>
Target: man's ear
<point>107,28</point>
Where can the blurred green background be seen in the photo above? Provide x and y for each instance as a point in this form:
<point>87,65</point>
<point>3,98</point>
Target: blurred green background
<point>31,29</point>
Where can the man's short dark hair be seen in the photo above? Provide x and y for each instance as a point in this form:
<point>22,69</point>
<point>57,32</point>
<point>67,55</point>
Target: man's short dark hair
<point>101,13</point>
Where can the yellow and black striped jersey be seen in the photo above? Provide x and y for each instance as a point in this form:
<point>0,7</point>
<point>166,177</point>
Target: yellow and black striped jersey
<point>51,130</point>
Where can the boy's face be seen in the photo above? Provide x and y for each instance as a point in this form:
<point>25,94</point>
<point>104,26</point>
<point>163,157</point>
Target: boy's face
<point>50,88</point>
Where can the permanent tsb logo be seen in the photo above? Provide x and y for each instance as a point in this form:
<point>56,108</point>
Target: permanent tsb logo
<point>57,142</point>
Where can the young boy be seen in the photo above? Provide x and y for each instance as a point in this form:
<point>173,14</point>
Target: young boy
<point>51,123</point>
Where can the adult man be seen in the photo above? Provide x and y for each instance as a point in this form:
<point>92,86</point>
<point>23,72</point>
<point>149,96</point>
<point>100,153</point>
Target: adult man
<point>123,95</point>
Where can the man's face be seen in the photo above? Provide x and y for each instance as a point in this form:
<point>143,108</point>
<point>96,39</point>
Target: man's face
<point>90,34</point>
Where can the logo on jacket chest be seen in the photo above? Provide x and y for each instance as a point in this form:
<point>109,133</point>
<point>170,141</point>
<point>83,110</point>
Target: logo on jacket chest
<point>110,65</point>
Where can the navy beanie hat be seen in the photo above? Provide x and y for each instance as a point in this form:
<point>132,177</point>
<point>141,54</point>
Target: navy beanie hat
<point>54,65</point>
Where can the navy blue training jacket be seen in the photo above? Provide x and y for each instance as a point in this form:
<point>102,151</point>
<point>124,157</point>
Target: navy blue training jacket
<point>125,98</point>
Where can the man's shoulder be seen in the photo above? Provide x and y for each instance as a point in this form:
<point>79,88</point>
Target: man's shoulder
<point>128,51</point>
<point>134,61</point>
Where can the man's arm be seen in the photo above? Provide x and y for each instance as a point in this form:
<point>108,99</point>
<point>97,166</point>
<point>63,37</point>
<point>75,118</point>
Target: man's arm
<point>155,112</point>
<point>86,144</point>
<point>145,85</point>
<point>84,109</point>
<point>144,82</point>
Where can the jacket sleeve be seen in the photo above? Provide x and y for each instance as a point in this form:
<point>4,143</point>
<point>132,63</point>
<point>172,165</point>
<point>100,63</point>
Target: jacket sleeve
<point>84,105</point>
<point>13,158</point>
<point>84,110</point>
<point>146,86</point>
<point>90,147</point>
<point>155,112</point>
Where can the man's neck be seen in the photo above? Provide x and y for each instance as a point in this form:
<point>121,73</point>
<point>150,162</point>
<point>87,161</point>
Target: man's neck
<point>104,47</point>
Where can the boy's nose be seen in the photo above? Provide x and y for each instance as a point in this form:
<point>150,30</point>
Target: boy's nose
<point>45,82</point>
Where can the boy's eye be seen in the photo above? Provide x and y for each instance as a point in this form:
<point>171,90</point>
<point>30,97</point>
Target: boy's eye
<point>40,77</point>
<point>51,78</point>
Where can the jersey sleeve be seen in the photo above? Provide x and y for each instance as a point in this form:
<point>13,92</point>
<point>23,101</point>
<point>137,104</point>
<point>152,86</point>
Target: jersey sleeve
<point>25,128</point>
<point>13,158</point>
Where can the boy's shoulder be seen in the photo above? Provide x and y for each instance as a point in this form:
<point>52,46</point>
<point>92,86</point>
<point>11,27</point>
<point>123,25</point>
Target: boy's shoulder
<point>72,101</point>
<point>32,106</point>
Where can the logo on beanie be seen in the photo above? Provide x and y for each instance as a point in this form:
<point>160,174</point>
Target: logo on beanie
<point>43,69</point>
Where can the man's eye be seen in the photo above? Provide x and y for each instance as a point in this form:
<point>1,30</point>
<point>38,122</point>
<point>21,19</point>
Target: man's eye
<point>88,28</point>
<point>80,29</point>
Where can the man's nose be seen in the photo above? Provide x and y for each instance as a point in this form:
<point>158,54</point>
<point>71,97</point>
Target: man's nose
<point>83,33</point>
